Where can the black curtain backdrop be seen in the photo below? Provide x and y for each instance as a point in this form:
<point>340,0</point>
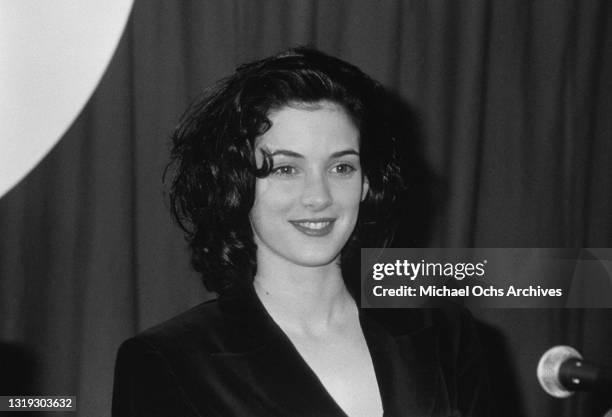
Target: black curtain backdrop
<point>513,100</point>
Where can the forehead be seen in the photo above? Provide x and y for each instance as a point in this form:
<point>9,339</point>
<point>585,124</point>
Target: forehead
<point>303,127</point>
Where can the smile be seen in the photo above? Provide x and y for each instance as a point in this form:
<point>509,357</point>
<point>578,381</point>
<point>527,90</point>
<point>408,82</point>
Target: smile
<point>314,227</point>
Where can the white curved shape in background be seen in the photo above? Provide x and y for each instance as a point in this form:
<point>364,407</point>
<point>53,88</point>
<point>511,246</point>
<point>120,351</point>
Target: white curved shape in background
<point>52,56</point>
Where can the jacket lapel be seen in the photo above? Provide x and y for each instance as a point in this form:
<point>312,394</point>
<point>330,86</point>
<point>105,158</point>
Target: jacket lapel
<point>275,379</point>
<point>406,364</point>
<point>275,375</point>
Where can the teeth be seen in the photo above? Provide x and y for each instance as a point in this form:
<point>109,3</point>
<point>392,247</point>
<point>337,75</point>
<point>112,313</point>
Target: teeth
<point>314,225</point>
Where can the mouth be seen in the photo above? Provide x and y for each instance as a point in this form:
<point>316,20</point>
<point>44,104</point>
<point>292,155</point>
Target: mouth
<point>314,227</point>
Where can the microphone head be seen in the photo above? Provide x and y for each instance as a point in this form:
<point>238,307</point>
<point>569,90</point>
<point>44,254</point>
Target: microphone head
<point>548,369</point>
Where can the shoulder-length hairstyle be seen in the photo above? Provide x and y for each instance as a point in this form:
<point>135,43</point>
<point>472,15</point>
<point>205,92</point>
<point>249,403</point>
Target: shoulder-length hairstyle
<point>213,168</point>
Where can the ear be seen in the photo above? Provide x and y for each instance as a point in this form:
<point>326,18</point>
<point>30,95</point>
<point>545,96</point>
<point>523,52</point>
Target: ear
<point>365,187</point>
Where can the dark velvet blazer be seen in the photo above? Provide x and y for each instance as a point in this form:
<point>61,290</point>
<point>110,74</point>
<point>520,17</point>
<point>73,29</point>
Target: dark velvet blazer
<point>229,358</point>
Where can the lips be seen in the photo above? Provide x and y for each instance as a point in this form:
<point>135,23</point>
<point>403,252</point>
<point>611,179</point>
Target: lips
<point>314,227</point>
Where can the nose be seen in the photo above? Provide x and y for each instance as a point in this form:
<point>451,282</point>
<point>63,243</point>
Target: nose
<point>316,194</point>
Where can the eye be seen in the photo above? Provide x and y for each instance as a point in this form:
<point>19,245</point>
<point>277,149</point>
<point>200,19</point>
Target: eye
<point>284,171</point>
<point>343,169</point>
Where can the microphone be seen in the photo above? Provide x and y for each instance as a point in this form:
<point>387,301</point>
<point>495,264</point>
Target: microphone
<point>562,371</point>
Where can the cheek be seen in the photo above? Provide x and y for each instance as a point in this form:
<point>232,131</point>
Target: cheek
<point>272,197</point>
<point>349,196</point>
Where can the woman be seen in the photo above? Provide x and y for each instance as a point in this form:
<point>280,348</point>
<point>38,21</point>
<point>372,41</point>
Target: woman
<point>281,173</point>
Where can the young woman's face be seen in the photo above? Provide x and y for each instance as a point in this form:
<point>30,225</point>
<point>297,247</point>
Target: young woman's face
<point>306,209</point>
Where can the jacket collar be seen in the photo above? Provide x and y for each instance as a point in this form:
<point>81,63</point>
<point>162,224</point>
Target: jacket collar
<point>400,343</point>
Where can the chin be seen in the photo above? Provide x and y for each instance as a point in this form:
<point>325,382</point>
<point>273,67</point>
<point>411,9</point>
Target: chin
<point>316,259</point>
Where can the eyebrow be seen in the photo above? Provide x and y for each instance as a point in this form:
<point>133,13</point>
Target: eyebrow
<point>292,154</point>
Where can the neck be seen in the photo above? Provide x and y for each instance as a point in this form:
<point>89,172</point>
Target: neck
<point>304,299</point>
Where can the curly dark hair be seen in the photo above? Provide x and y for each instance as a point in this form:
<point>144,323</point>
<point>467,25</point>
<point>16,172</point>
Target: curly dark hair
<point>213,161</point>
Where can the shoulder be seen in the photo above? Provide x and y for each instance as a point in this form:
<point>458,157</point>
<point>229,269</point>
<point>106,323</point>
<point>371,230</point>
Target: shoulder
<point>199,328</point>
<point>439,341</point>
<point>154,369</point>
<point>449,331</point>
<point>449,335</point>
<point>231,324</point>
